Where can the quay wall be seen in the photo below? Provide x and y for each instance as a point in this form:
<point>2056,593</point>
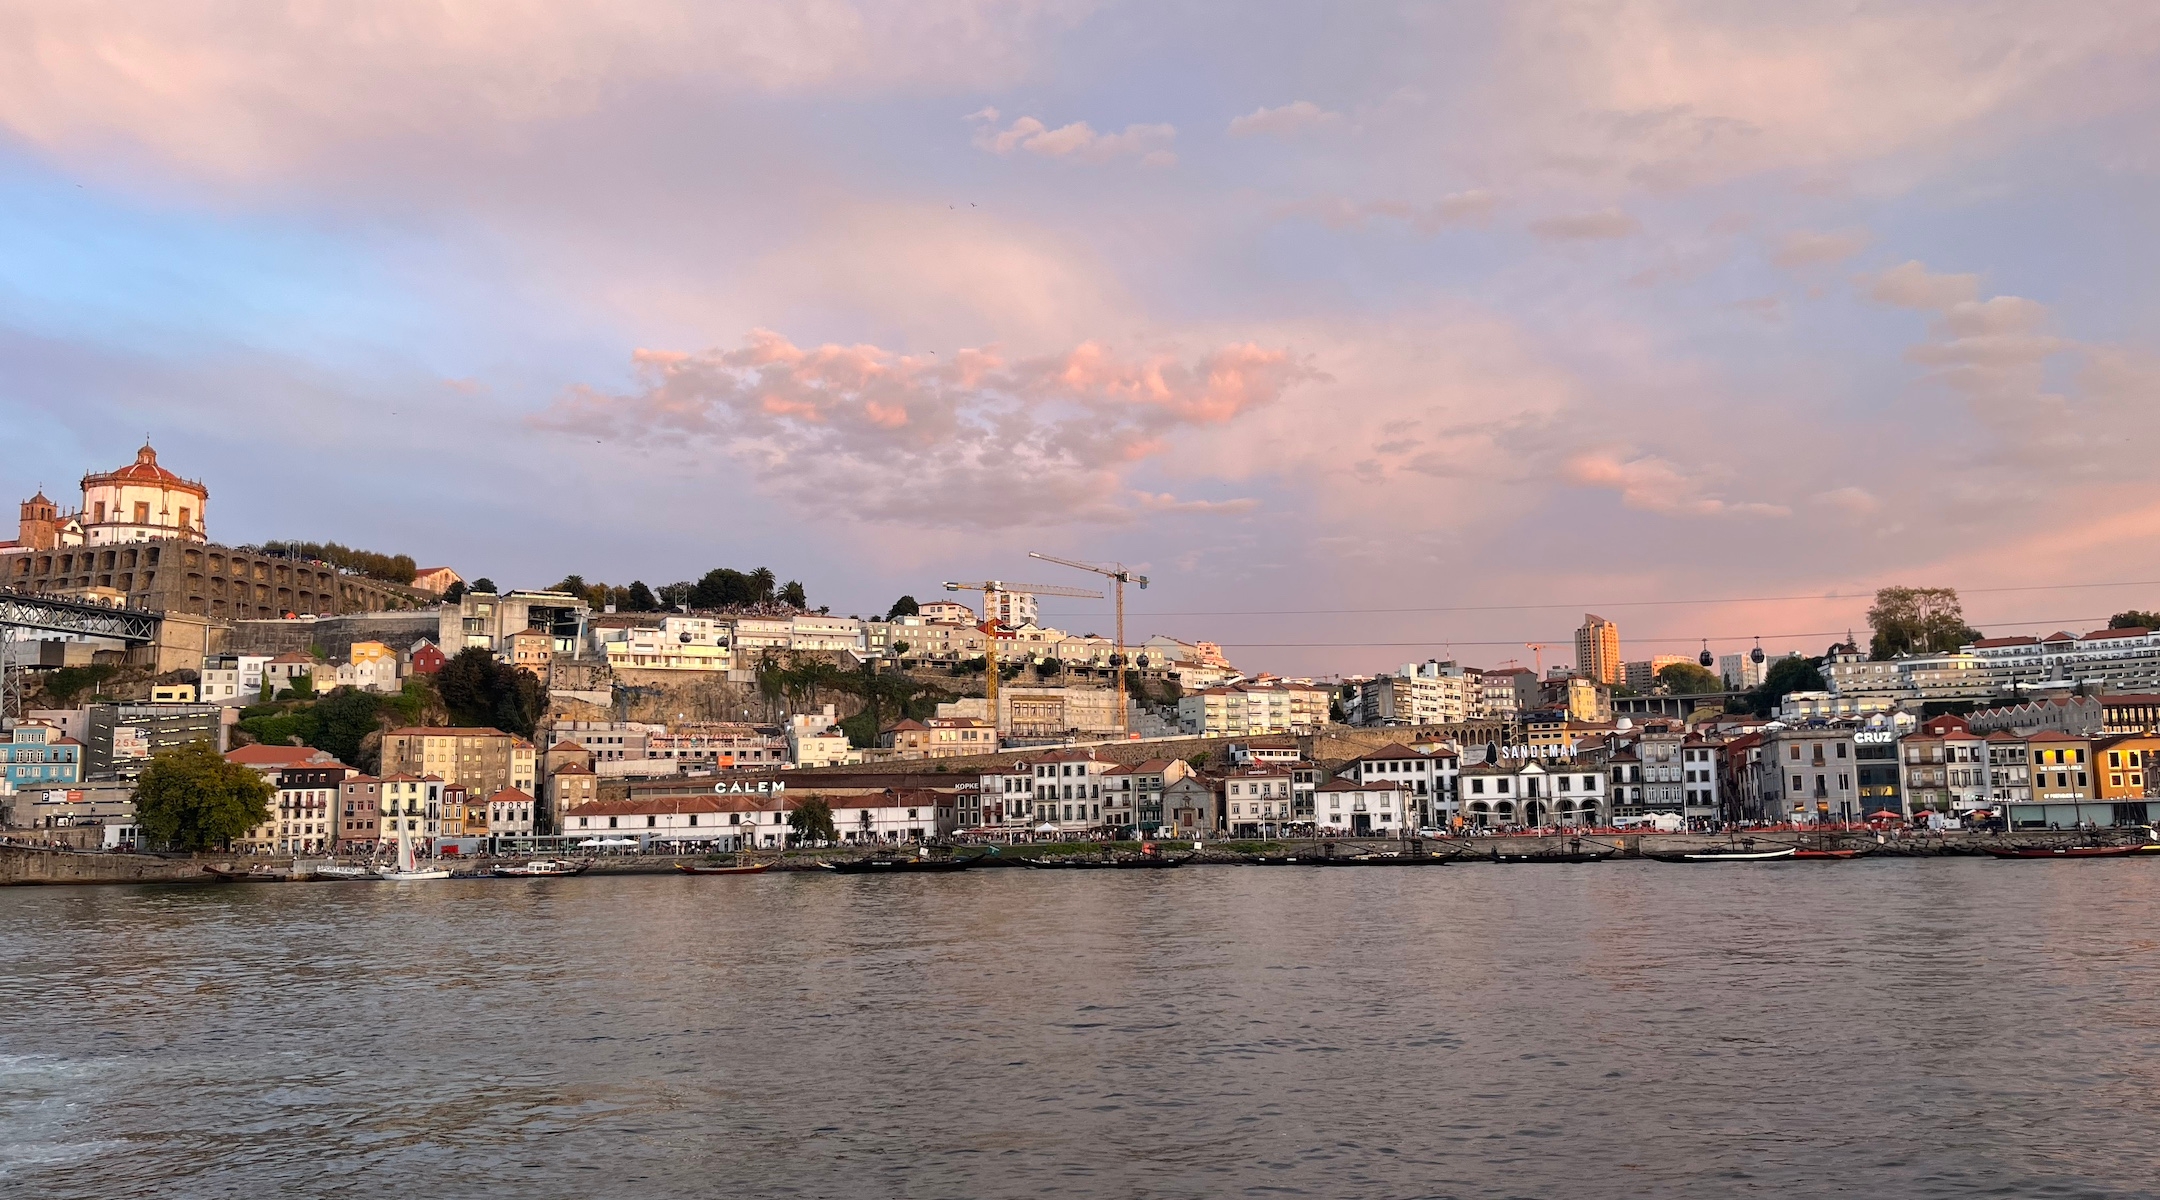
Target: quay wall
<point>37,865</point>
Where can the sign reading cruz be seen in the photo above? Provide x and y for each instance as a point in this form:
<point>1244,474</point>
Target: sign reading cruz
<point>762,787</point>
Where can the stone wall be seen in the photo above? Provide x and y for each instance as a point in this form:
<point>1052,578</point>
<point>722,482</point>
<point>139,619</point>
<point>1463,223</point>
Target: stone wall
<point>29,865</point>
<point>335,634</point>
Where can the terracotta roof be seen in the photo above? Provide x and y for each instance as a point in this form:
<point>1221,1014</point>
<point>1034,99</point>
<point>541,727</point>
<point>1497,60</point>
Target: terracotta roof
<point>2054,735</point>
<point>294,656</point>
<point>573,769</point>
<point>510,795</point>
<point>1347,785</point>
<point>274,756</point>
<point>2135,631</point>
<point>1391,750</point>
<point>661,806</point>
<point>1152,766</point>
<point>570,746</point>
<point>145,469</point>
<point>2006,641</point>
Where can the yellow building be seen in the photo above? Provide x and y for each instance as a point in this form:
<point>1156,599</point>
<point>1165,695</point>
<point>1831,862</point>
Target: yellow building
<point>2126,767</point>
<point>1597,650</point>
<point>483,761</point>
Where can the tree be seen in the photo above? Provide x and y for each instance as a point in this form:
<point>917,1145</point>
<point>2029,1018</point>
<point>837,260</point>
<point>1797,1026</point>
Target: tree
<point>392,568</point>
<point>812,822</point>
<point>573,584</point>
<point>675,595</point>
<point>762,582</point>
<point>192,799</point>
<point>66,683</point>
<point>1197,762</point>
<point>640,598</point>
<point>455,592</point>
<point>343,719</point>
<point>793,595</point>
<point>1687,679</point>
<point>2134,619</point>
<point>478,689</point>
<point>483,584</point>
<point>722,587</point>
<point>899,648</point>
<point>1910,620</point>
<point>1787,675</point>
<point>905,606</point>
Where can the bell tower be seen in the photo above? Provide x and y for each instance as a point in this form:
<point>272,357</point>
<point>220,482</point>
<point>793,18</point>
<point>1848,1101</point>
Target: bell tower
<point>40,527</point>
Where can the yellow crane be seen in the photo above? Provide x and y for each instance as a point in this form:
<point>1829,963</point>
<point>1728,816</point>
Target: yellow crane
<point>1122,575</point>
<point>990,589</point>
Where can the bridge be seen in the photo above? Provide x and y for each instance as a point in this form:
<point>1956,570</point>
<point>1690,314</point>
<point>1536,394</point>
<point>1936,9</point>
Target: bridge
<point>25,611</point>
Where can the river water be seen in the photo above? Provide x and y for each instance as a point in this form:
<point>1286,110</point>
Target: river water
<point>1875,1028</point>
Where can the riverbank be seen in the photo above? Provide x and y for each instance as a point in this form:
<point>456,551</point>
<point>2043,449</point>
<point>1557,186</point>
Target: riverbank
<point>35,865</point>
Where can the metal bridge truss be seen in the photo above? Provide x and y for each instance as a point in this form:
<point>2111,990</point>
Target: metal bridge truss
<point>22,612</point>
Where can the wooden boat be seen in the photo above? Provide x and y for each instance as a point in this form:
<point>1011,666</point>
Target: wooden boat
<point>1374,860</point>
<point>249,875</point>
<point>1551,856</point>
<point>2066,851</point>
<point>745,869</point>
<point>1807,854</point>
<point>898,866</point>
<point>542,868</point>
<point>1146,862</point>
<point>1736,854</point>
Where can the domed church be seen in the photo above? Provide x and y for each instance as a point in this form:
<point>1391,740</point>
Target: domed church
<point>140,502</point>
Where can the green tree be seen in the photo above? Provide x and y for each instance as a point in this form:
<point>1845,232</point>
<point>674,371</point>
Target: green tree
<point>905,606</point>
<point>344,718</point>
<point>675,595</point>
<point>722,587</point>
<point>393,568</point>
<point>900,649</point>
<point>762,583</point>
<point>455,592</point>
<point>1687,679</point>
<point>1787,675</point>
<point>67,683</point>
<point>573,584</point>
<point>812,822</point>
<point>640,598</point>
<point>2134,619</point>
<point>794,596</point>
<point>483,584</point>
<point>1197,762</point>
<point>1909,620</point>
<point>479,689</point>
<point>192,799</point>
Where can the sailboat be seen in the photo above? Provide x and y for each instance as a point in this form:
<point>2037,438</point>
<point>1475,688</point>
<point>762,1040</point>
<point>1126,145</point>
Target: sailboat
<point>408,866</point>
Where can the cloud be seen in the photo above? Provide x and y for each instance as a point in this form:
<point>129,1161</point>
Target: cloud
<point>1283,121</point>
<point>1657,485</point>
<point>1762,308</point>
<point>978,442</point>
<point>1079,141</point>
<point>1806,248</point>
<point>1852,501</point>
<point>1164,502</point>
<point>1472,207</point>
<point>1911,285</point>
<point>1611,223</point>
<point>297,84</point>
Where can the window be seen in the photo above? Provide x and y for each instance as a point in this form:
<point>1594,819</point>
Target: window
<point>1796,754</point>
<point>1841,749</point>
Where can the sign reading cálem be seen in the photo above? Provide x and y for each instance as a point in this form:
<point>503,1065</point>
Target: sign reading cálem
<point>762,787</point>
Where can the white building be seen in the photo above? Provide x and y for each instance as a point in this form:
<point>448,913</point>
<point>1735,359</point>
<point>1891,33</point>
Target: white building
<point>512,813</point>
<point>1004,799</point>
<point>1431,779</point>
<point>1258,800</point>
<point>1345,806</point>
<point>815,740</point>
<point>1529,792</point>
<point>1741,672</point>
<point>1700,769</point>
<point>233,680</point>
<point>1068,790</point>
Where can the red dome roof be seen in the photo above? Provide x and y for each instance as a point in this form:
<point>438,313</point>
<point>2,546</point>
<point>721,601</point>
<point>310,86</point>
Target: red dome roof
<point>145,470</point>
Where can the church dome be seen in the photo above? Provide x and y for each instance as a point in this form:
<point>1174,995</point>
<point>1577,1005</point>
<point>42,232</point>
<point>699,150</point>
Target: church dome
<point>145,471</point>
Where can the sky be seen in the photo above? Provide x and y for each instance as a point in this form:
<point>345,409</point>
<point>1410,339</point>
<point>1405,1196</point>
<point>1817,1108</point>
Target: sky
<point>1370,333</point>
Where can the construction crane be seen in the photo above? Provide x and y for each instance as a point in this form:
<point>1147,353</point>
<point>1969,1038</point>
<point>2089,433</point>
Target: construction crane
<point>1122,575</point>
<point>990,588</point>
<point>1539,648</point>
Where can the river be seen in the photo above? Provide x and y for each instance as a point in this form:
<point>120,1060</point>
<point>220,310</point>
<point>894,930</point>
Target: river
<point>1876,1028</point>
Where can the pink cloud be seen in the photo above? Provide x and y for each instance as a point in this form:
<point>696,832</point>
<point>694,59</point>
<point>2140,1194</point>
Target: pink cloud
<point>1078,140</point>
<point>973,443</point>
<point>1657,485</point>
<point>1610,223</point>
<point>1283,120</point>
